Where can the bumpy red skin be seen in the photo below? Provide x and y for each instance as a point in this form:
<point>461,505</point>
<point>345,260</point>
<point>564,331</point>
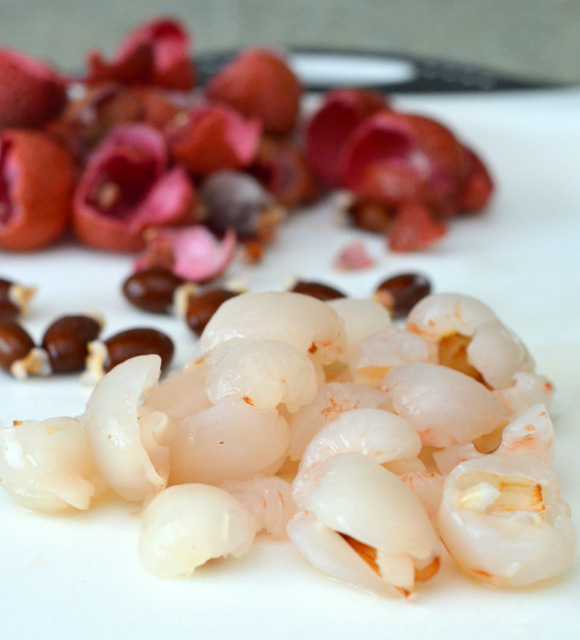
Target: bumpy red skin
<point>259,84</point>
<point>31,92</point>
<point>155,53</point>
<point>214,137</point>
<point>36,186</point>
<point>134,159</point>
<point>341,111</point>
<point>394,157</point>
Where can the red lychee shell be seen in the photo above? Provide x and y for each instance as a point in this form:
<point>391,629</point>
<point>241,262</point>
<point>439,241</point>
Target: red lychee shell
<point>260,84</point>
<point>37,182</point>
<point>394,157</point>
<point>86,121</point>
<point>215,137</point>
<point>478,187</point>
<point>135,66</point>
<point>170,41</point>
<point>131,163</point>
<point>159,109</point>
<point>414,228</point>
<point>31,93</point>
<point>156,52</point>
<point>281,168</point>
<point>341,111</point>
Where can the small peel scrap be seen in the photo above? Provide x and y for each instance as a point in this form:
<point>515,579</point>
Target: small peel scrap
<point>353,257</point>
<point>193,253</point>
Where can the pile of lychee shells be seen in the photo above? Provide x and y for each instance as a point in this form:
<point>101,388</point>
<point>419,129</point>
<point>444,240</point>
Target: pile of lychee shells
<point>120,156</point>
